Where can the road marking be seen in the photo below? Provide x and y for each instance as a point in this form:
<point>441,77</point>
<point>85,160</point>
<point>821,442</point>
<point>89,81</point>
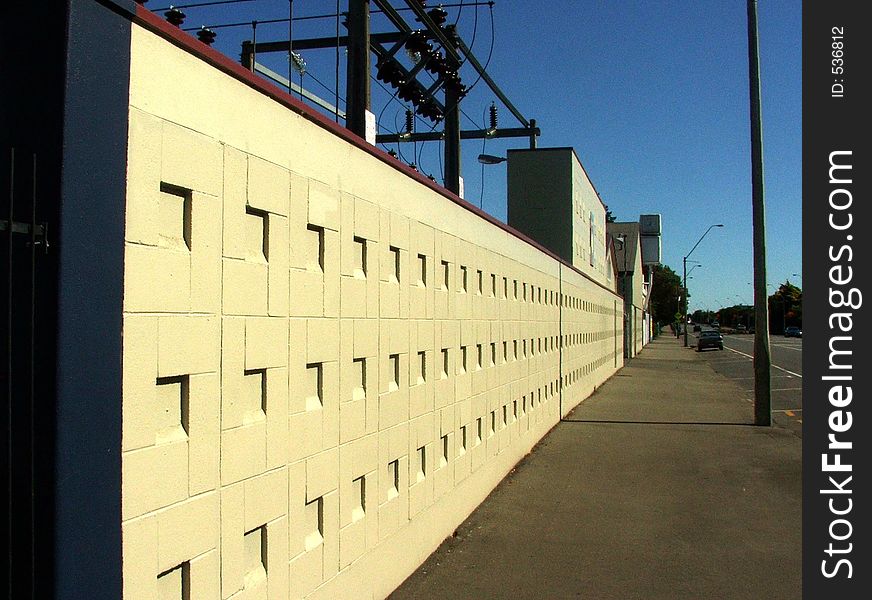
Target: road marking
<point>778,341</point>
<point>773,376</point>
<point>776,366</point>
<point>785,389</point>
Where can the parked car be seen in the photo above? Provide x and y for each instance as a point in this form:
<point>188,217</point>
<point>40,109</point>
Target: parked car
<point>793,331</point>
<point>715,325</point>
<point>741,328</point>
<point>710,339</point>
<point>697,328</point>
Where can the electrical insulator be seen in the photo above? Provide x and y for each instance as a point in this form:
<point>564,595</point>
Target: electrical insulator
<point>175,16</point>
<point>391,73</point>
<point>298,62</point>
<point>206,35</point>
<point>453,83</point>
<point>435,64</point>
<point>382,73</point>
<point>430,110</point>
<point>411,92</point>
<point>410,121</point>
<point>438,15</point>
<point>493,116</point>
<point>392,152</point>
<point>417,42</point>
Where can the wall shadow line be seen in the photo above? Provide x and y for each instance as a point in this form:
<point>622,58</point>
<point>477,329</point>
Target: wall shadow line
<point>618,422</point>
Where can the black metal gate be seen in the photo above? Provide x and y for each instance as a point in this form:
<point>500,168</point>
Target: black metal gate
<point>24,243</point>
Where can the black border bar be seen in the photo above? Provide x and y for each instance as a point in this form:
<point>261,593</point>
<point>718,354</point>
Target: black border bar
<point>836,501</point>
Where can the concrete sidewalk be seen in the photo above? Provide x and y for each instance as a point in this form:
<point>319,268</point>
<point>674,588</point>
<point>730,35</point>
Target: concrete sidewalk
<point>655,487</point>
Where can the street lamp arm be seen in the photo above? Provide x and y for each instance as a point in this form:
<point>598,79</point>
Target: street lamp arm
<point>684,261</point>
<point>700,239</point>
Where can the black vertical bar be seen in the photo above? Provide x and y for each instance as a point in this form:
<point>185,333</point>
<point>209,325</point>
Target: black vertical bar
<point>452,139</point>
<point>31,386</point>
<point>358,85</point>
<point>836,53</point>
<point>9,472</point>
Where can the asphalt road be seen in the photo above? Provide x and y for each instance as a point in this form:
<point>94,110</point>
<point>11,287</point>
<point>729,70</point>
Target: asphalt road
<point>736,363</point>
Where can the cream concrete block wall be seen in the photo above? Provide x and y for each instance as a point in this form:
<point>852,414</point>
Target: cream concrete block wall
<point>326,364</point>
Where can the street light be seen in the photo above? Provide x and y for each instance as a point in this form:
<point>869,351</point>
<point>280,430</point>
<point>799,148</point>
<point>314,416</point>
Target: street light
<point>684,261</point>
<point>490,159</point>
<point>487,159</point>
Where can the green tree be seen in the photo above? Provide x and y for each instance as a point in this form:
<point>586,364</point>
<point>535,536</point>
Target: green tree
<point>610,218</point>
<point>785,307</point>
<point>702,316</point>
<point>665,292</point>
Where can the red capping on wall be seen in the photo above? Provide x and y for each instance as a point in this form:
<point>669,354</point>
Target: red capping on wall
<point>209,55</point>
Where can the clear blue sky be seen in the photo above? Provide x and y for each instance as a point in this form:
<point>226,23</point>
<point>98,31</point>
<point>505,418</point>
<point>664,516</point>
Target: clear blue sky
<point>653,96</point>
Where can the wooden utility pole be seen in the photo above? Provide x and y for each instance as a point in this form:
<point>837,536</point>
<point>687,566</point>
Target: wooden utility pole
<point>762,359</point>
<point>357,76</point>
<point>452,139</point>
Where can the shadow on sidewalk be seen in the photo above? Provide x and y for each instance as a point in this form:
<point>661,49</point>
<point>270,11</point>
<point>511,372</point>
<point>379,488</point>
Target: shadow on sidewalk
<point>655,422</point>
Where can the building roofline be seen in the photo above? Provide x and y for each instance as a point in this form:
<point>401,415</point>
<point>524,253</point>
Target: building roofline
<point>574,153</point>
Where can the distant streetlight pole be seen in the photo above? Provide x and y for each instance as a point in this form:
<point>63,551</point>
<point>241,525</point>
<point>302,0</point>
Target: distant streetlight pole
<point>762,359</point>
<point>684,261</point>
<point>685,284</point>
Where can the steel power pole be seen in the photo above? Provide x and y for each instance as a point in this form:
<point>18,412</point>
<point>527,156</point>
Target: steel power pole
<point>762,359</point>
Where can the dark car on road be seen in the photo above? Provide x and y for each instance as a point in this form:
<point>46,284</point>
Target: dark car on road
<point>697,328</point>
<point>793,331</point>
<point>710,339</point>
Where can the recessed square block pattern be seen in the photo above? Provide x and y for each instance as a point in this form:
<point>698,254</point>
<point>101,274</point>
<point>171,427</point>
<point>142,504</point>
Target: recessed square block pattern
<point>174,218</point>
<point>325,360</point>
